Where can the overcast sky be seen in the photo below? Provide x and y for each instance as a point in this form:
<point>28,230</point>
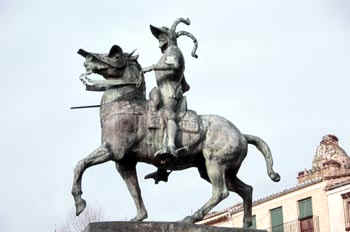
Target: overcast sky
<point>276,69</point>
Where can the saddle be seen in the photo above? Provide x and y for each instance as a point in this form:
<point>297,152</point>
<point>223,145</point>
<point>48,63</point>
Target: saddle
<point>188,122</point>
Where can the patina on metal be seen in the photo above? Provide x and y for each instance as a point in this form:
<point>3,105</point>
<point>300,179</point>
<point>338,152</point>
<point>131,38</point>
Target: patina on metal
<point>134,129</point>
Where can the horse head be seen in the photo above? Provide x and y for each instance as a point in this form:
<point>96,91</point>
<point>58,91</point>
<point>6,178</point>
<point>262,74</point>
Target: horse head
<point>110,65</point>
<point>116,67</point>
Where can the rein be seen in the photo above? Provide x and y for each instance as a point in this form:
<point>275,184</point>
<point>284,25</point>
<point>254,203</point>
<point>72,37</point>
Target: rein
<point>126,97</point>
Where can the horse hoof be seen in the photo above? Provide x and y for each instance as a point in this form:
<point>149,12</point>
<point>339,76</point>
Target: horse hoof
<point>276,177</point>
<point>139,218</point>
<point>80,206</point>
<point>188,219</point>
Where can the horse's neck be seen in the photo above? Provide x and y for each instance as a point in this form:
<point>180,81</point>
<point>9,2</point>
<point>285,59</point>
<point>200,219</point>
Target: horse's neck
<point>119,93</point>
<point>130,91</point>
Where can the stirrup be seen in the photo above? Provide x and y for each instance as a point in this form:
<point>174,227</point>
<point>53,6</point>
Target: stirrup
<point>185,148</point>
<point>159,175</point>
<point>166,152</point>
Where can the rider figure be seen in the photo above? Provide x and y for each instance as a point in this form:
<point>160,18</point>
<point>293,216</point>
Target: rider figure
<point>170,78</point>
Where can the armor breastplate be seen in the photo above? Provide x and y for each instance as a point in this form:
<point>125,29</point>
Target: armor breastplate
<point>169,81</point>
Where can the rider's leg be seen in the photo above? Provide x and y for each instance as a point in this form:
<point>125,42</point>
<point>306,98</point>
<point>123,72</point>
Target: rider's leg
<point>170,108</point>
<point>171,129</point>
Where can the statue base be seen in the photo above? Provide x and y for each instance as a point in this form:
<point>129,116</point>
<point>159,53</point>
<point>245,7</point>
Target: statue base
<point>159,227</point>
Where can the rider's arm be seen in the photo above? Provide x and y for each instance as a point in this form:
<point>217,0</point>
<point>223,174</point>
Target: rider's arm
<point>171,63</point>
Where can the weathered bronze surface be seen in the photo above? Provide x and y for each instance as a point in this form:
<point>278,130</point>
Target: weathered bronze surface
<point>135,129</point>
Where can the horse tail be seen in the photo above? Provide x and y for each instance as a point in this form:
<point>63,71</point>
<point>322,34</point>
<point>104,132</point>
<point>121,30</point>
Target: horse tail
<point>262,146</point>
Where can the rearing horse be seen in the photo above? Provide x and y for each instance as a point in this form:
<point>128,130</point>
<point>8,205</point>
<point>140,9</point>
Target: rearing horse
<point>217,150</point>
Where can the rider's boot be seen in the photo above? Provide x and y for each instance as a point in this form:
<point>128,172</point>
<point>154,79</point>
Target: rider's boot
<point>169,147</point>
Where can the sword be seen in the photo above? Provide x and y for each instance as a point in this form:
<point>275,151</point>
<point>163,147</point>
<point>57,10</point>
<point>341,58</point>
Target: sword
<point>84,107</point>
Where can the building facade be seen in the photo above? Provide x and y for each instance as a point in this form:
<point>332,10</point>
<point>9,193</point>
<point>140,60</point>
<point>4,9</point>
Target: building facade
<point>320,202</point>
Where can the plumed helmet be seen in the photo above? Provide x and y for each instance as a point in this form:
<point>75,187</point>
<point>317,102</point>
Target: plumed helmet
<point>156,31</point>
<point>172,35</point>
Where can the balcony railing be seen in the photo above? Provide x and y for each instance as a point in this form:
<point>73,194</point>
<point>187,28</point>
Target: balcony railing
<point>295,226</point>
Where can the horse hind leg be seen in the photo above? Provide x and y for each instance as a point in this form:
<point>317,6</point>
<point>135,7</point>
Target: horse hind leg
<point>216,174</point>
<point>98,156</point>
<point>246,193</point>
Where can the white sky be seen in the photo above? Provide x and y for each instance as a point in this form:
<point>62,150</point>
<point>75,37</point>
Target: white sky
<point>277,69</point>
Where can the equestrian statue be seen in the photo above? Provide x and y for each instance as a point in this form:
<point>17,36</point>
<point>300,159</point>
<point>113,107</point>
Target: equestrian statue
<point>161,130</point>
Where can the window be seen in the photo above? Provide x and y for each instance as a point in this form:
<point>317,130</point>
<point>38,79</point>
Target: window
<point>276,220</point>
<point>305,208</point>
<point>305,215</point>
<point>253,226</point>
<point>346,202</point>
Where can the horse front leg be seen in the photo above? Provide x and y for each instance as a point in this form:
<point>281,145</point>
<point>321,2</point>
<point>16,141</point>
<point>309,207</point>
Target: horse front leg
<point>128,172</point>
<point>98,156</point>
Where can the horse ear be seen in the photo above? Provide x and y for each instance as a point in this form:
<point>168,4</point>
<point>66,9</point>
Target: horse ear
<point>115,49</point>
<point>131,53</point>
<point>83,53</point>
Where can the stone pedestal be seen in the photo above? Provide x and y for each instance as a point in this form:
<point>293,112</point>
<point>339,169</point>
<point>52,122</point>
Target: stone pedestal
<point>158,227</point>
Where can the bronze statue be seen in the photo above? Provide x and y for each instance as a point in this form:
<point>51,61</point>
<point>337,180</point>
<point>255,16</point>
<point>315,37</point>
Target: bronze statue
<point>134,129</point>
<point>170,77</point>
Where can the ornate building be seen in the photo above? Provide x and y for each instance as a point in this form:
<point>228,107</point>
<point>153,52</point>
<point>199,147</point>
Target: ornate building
<point>320,202</point>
